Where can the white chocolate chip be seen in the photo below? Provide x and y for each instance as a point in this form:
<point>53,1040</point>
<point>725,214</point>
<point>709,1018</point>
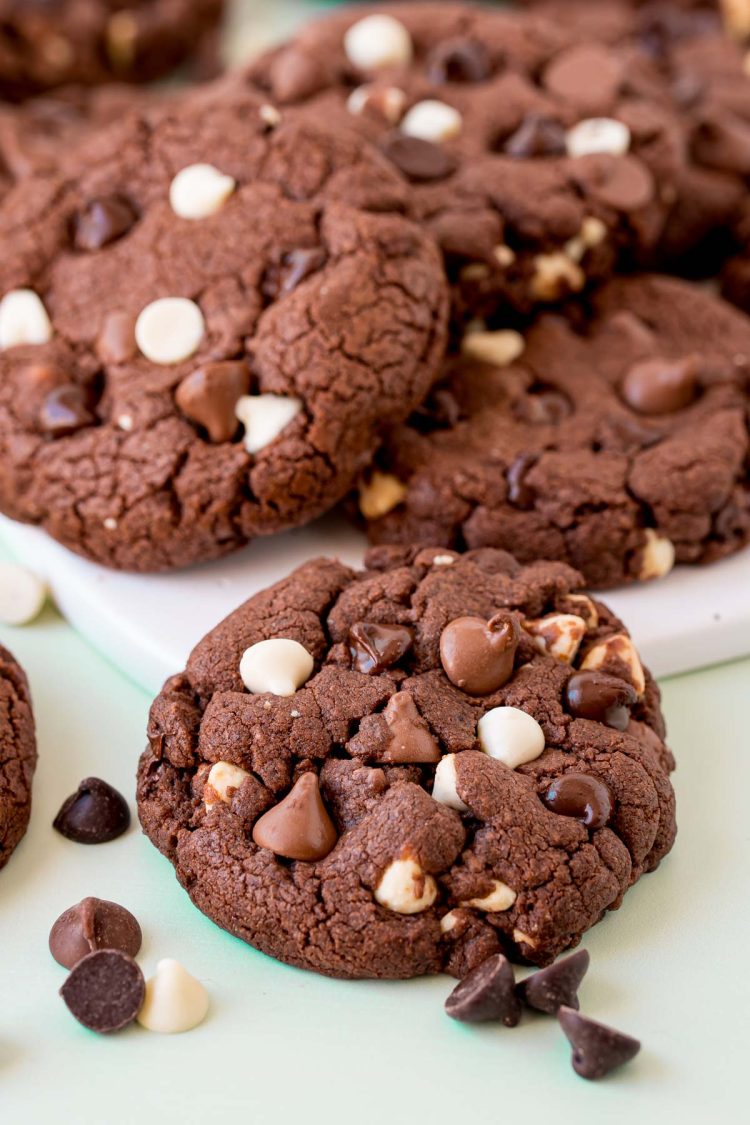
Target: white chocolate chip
<point>593,232</point>
<point>380,495</point>
<point>170,330</point>
<point>444,787</point>
<point>279,666</point>
<point>658,556</point>
<point>125,422</point>
<point>269,115</point>
<point>554,276</point>
<point>377,41</point>
<point>432,120</point>
<point>23,319</point>
<point>175,1001</point>
<point>614,654</point>
<point>200,190</point>
<point>558,634</point>
<point>405,888</point>
<point>110,523</point>
<point>585,608</point>
<point>224,779</point>
<point>264,417</point>
<point>22,595</point>
<point>497,348</point>
<point>448,922</point>
<point>598,135</point>
<point>386,102</point>
<point>504,256</point>
<point>443,560</point>
<point>510,736</point>
<point>524,939</point>
<point>500,898</point>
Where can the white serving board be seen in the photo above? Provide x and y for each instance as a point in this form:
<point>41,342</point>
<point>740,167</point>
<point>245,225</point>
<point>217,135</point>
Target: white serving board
<point>147,624</point>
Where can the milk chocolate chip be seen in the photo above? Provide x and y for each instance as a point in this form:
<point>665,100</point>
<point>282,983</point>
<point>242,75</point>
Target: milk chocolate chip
<point>582,797</point>
<point>419,160</point>
<point>93,924</point>
<point>103,221</point>
<point>299,827</point>
<point>376,647</point>
<point>411,740</point>
<point>94,814</point>
<point>478,655</point>
<point>556,986</point>
<point>660,386</point>
<point>599,696</point>
<point>209,397</point>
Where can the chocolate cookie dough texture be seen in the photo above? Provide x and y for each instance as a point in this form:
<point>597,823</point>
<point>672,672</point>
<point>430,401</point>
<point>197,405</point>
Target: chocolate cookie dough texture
<point>538,158</point>
<point>615,441</point>
<point>17,754</point>
<point>207,321</point>
<point>411,768</point>
<point>49,43</point>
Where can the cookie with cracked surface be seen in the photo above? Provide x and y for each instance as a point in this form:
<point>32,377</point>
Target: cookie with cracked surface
<point>538,158</point>
<point>493,782</point>
<point>17,754</point>
<point>49,43</point>
<point>206,324</point>
<point>615,441</point>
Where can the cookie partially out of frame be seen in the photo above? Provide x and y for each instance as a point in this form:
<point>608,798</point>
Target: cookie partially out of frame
<point>615,440</point>
<point>408,769</point>
<point>207,320</point>
<point>17,754</point>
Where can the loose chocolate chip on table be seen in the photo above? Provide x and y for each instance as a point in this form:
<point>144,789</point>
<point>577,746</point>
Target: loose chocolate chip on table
<point>660,386</point>
<point>299,827</point>
<point>377,647</point>
<point>537,135</point>
<point>419,160</point>
<point>105,991</point>
<point>599,696</point>
<point>459,60</point>
<point>478,655</point>
<point>209,397</point>
<point>94,814</point>
<point>92,924</point>
<point>557,986</point>
<point>597,1049</point>
<point>411,740</point>
<point>101,222</point>
<point>582,797</point>
<point>64,411</point>
<point>486,993</point>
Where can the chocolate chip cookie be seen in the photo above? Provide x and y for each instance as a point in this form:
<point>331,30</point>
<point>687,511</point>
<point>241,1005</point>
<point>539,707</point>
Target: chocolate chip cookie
<point>615,440</point>
<point>207,322</point>
<point>538,157</point>
<point>17,754</point>
<point>50,43</point>
<point>411,768</point>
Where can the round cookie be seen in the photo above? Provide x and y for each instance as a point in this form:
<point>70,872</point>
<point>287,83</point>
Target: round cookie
<point>207,322</point>
<point>50,43</point>
<point>538,158</point>
<point>615,440</point>
<point>411,768</point>
<point>17,754</point>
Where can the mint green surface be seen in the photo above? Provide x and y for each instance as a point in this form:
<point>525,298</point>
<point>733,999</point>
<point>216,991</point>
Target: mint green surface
<point>281,1045</point>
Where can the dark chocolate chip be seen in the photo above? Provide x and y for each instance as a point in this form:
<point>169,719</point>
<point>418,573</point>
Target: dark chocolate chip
<point>102,222</point>
<point>599,696</point>
<point>64,411</point>
<point>459,60</point>
<point>419,160</point>
<point>487,993</point>
<point>376,647</point>
<point>94,814</point>
<point>550,989</point>
<point>537,135</point>
<point>478,655</point>
<point>660,386</point>
<point>299,264</point>
<point>521,494</point>
<point>597,1049</point>
<point>582,797</point>
<point>209,397</point>
<point>105,991</point>
<point>93,924</point>
<point>542,408</point>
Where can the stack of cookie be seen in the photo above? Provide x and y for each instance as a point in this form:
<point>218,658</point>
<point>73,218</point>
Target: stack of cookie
<point>402,260</point>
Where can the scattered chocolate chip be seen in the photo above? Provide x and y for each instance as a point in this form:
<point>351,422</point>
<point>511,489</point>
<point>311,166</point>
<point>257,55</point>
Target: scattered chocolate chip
<point>299,264</point>
<point>209,397</point>
<point>660,386</point>
<point>102,222</point>
<point>520,493</point>
<point>537,135</point>
<point>376,647</point>
<point>419,160</point>
<point>582,797</point>
<point>478,655</point>
<point>550,989</point>
<point>93,924</point>
<point>459,60</point>
<point>299,827</point>
<point>599,696</point>
<point>597,1049</point>
<point>411,740</point>
<point>94,814</point>
<point>105,991</point>
<point>64,411</point>
<point>487,993</point>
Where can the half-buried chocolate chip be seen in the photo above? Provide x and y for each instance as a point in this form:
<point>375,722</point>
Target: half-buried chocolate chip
<point>102,221</point>
<point>597,1049</point>
<point>419,160</point>
<point>582,797</point>
<point>376,647</point>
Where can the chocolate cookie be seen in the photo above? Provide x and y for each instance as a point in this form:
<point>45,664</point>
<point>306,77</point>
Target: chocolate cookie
<point>50,43</point>
<point>616,440</point>
<point>538,157</point>
<point>412,768</point>
<point>17,754</point>
<point>207,322</point>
